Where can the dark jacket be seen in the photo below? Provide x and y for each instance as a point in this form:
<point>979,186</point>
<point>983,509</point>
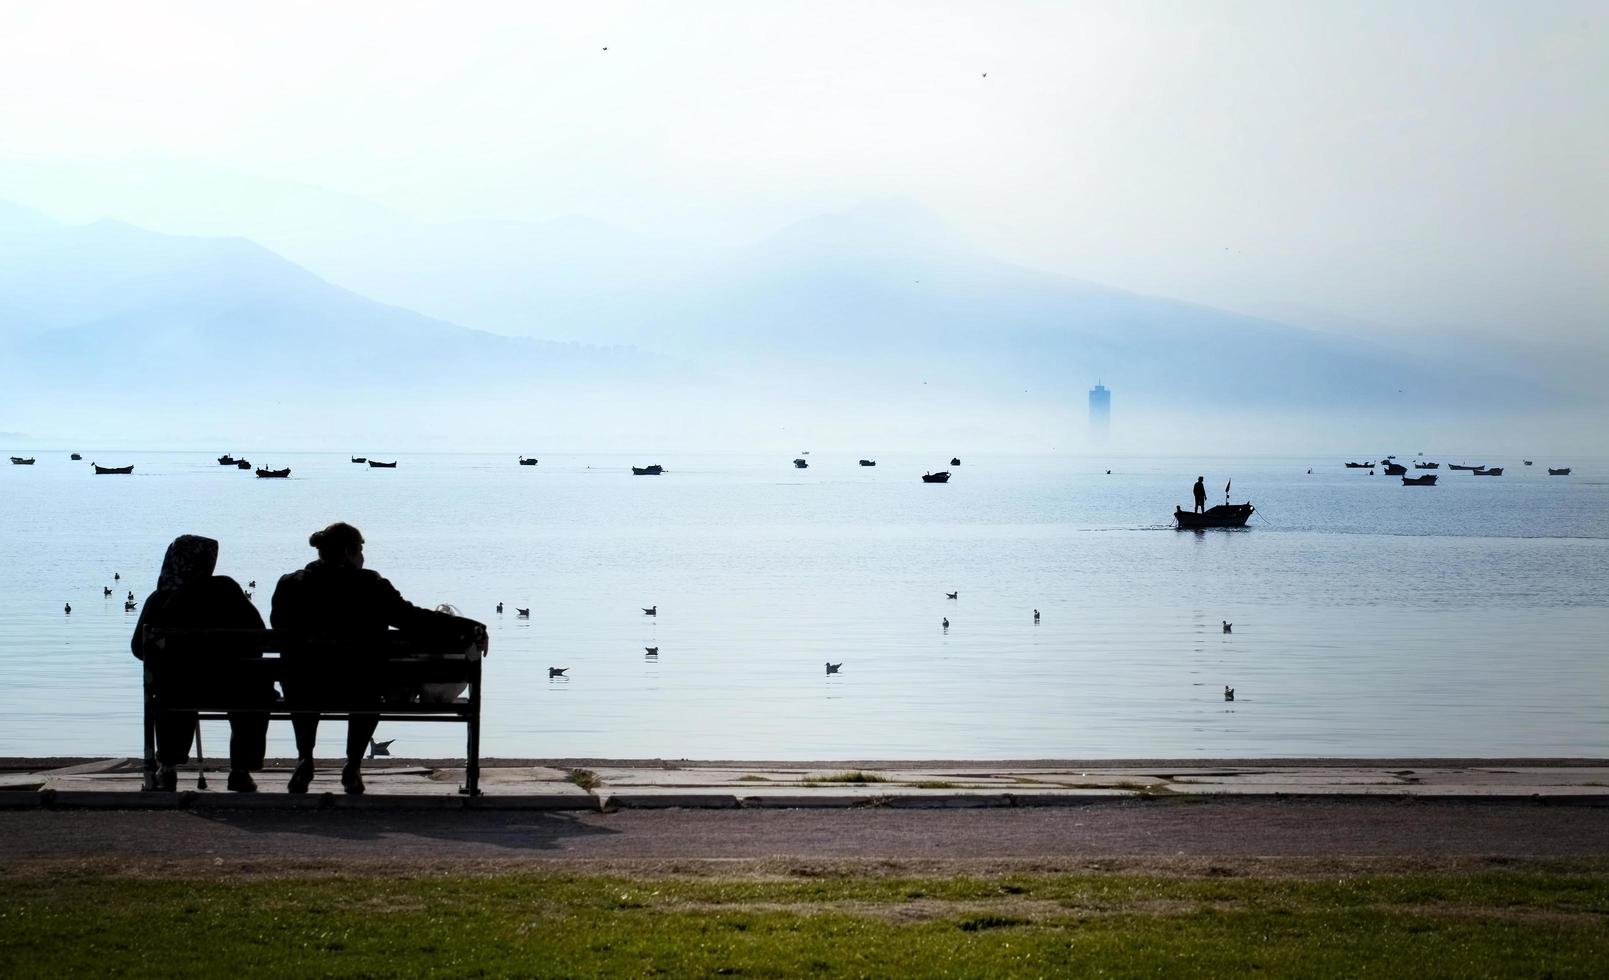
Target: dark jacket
<point>338,602</point>
<point>214,602</point>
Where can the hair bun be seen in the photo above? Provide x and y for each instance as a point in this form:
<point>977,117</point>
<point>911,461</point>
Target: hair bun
<point>316,538</point>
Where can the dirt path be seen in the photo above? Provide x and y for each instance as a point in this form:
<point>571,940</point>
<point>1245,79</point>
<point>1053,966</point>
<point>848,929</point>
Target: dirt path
<point>1242,832</point>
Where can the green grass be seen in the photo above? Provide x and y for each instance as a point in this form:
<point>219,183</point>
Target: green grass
<point>856,777</point>
<point>1486,924</point>
<point>584,778</point>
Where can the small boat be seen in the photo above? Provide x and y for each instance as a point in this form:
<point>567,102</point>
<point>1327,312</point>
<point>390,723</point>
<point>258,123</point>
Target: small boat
<point>868,462</point>
<point>1460,466</point>
<point>1360,466</point>
<point>527,462</point>
<point>1494,471</point>
<point>75,456</point>
<point>1395,469</point>
<point>273,474</point>
<point>653,470</point>
<point>226,460</point>
<point>1559,472</point>
<point>955,461</point>
<point>244,464</point>
<point>104,470</point>
<point>801,463</point>
<point>22,460</point>
<point>360,459</point>
<point>1428,480</point>
<point>940,477</point>
<point>1223,515</point>
<point>1427,466</point>
<point>375,464</point>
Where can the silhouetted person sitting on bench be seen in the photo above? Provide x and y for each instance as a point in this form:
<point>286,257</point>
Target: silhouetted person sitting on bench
<point>344,608</point>
<point>1201,494</point>
<point>189,596</point>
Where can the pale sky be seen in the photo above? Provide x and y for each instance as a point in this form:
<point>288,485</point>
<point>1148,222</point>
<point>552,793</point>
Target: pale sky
<point>1419,165</point>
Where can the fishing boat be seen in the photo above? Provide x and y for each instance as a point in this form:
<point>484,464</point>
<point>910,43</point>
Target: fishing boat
<point>273,474</point>
<point>940,477</point>
<point>1460,466</point>
<point>75,456</point>
<point>955,461</point>
<point>375,464</point>
<point>1565,471</point>
<point>22,460</point>
<point>1494,471</point>
<point>244,464</point>
<point>868,462</point>
<point>360,459</point>
<point>1395,469</point>
<point>801,463</point>
<point>1427,466</point>
<point>1428,480</point>
<point>653,470</point>
<point>527,462</point>
<point>105,470</point>
<point>1223,515</point>
<point>227,460</point>
<point>1360,466</point>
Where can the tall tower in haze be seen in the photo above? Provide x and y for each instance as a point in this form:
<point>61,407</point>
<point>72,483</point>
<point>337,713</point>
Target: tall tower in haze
<point>1100,411</point>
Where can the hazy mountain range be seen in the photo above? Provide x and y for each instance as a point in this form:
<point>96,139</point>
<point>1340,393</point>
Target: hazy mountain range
<point>879,317</point>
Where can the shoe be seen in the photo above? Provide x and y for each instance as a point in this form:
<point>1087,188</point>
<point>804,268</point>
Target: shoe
<point>167,780</point>
<point>352,779</point>
<point>301,777</point>
<point>240,781</point>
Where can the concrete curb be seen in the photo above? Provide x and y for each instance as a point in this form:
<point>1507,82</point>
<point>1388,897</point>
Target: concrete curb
<point>665,801</point>
<point>535,801</point>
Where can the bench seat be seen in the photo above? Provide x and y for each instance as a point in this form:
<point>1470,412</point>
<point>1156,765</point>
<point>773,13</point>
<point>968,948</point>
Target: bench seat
<point>208,667</point>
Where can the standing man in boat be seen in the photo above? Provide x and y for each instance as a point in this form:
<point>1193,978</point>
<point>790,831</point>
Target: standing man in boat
<point>1201,494</point>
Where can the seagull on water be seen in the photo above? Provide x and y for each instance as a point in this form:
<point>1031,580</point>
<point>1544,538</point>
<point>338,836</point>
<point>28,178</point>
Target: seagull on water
<point>106,590</point>
<point>946,622</point>
<point>952,595</point>
<point>557,671</point>
<point>522,613</point>
<point>499,608</point>
<point>69,609</point>
<point>129,605</point>
<point>1228,626</point>
<point>652,610</point>
<point>252,585</point>
<point>116,576</point>
<point>652,651</point>
<point>1229,693</point>
<point>833,668</point>
<point>380,748</point>
<point>1036,615</point>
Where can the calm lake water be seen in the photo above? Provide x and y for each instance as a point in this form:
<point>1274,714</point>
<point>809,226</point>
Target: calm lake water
<point>1370,619</point>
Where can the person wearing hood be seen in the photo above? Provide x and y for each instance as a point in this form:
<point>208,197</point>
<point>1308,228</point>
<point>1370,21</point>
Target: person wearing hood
<point>343,606</point>
<point>189,596</point>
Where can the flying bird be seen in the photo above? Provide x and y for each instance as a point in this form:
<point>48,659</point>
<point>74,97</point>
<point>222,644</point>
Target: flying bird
<point>557,671</point>
<point>833,668</point>
<point>380,748</point>
<point>952,595</point>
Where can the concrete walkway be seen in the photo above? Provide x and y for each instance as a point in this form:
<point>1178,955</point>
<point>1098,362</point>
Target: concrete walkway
<point>602,785</point>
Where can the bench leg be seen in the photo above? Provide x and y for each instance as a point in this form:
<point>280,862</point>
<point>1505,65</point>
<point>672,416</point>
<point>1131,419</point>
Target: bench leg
<point>471,785</point>
<point>149,721</point>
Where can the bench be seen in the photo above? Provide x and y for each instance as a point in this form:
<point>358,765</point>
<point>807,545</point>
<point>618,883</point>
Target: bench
<point>208,665</point>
